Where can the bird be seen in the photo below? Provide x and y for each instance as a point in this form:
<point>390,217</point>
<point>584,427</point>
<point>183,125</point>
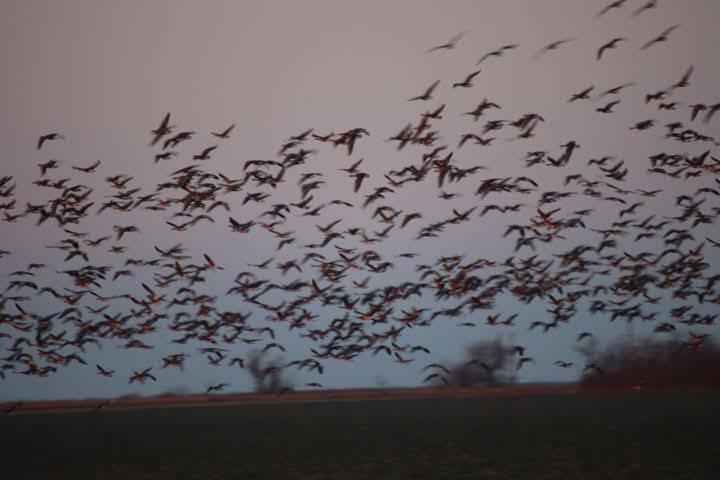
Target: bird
<point>436,366</point>
<point>663,37</point>
<point>584,335</point>
<point>616,90</point>
<point>650,4</point>
<point>497,52</point>
<point>685,80</point>
<point>89,169</point>
<point>359,177</point>
<point>352,169</point>
<point>237,361</point>
<point>162,130</point>
<point>435,376</point>
<point>178,138</point>
<point>240,227</point>
<point>142,376</point>
<point>468,80</point>
<point>50,164</point>
<point>301,137</point>
<point>609,45</point>
<point>103,372</point>
<point>48,137</point>
<point>427,95</point>
<point>478,111</point>
<point>711,111</point>
<point>215,388</point>
<point>610,6</point>
<point>522,361</point>
<point>552,46</point>
<point>225,133</point>
<point>643,125</point>
<point>582,95</point>
<point>449,45</point>
<point>607,108</point>
<point>210,264</point>
<point>165,156</point>
<point>205,154</point>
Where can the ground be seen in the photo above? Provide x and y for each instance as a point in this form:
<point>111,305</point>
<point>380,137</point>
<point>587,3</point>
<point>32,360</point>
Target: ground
<point>535,436</point>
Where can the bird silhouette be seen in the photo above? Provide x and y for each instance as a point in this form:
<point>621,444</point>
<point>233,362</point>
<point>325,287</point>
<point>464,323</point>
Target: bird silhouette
<point>215,388</point>
<point>613,5</point>
<point>449,45</point>
<point>162,130</point>
<point>607,108</point>
<point>468,80</point>
<point>89,169</point>
<point>205,154</point>
<point>609,45</point>
<point>552,46</point>
<point>663,37</point>
<point>497,52</point>
<point>427,95</point>
<point>685,80</point>
<point>103,372</point>
<point>650,4</point>
<point>225,133</point>
<point>582,95</point>
<point>48,137</point>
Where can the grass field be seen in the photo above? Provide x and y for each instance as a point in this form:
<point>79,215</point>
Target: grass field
<point>613,436</point>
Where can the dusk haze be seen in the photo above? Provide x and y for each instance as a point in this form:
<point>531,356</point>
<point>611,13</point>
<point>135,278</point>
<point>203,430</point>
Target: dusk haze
<point>422,203</point>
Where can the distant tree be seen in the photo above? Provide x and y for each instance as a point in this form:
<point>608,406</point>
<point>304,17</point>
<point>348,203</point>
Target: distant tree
<point>654,363</point>
<point>267,374</point>
<point>487,363</point>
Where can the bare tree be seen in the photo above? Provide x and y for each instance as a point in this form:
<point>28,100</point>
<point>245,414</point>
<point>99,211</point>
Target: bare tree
<point>488,363</point>
<point>654,363</point>
<point>267,374</point>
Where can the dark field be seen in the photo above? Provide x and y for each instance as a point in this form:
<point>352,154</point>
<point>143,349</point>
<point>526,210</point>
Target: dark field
<point>640,435</point>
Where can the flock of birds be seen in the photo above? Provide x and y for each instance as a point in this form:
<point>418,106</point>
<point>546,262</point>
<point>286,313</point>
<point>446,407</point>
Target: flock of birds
<point>338,269</point>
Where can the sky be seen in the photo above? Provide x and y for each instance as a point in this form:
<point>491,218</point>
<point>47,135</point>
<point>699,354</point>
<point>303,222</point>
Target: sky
<point>104,74</point>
